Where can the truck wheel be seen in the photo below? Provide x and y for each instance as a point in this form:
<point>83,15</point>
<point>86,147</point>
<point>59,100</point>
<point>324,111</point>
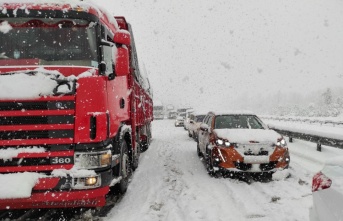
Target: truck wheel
<point>135,160</point>
<point>144,146</point>
<point>125,168</point>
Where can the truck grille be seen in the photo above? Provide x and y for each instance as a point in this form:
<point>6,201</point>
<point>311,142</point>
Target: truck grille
<point>43,134</point>
<point>46,118</point>
<point>37,105</point>
<point>27,120</point>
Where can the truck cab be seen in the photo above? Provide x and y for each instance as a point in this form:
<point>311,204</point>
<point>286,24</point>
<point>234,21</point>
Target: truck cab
<point>73,109</point>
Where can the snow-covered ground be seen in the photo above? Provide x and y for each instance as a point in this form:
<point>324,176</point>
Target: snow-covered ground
<point>171,183</point>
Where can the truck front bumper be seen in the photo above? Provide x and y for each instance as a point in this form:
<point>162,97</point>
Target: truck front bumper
<point>55,199</point>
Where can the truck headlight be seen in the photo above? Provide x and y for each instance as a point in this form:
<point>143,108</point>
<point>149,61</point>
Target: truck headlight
<point>91,181</point>
<point>95,160</point>
<point>80,183</point>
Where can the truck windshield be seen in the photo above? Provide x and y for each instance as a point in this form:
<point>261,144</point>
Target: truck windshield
<point>48,42</point>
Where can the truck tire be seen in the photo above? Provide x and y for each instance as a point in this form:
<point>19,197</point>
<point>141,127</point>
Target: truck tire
<point>144,146</point>
<point>125,170</point>
<point>135,158</point>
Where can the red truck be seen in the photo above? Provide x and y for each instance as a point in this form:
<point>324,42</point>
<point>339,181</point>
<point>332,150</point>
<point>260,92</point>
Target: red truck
<point>75,107</point>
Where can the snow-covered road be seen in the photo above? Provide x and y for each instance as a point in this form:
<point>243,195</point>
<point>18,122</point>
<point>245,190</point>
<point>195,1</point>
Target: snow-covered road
<point>171,184</point>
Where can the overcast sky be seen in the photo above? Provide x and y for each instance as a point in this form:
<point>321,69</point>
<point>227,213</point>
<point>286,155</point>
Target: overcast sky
<point>208,52</point>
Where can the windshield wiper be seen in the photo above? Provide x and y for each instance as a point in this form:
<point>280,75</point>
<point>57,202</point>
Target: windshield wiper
<point>3,56</point>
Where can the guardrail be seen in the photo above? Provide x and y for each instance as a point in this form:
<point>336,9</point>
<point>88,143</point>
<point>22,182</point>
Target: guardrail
<point>311,138</point>
<point>304,120</point>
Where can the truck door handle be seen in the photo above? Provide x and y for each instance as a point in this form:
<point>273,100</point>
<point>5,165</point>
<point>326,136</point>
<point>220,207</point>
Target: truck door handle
<point>122,103</point>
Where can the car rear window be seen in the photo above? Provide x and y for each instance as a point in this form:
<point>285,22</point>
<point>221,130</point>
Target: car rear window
<point>200,118</point>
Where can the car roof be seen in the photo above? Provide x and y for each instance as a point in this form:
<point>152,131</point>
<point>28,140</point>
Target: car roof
<point>244,112</point>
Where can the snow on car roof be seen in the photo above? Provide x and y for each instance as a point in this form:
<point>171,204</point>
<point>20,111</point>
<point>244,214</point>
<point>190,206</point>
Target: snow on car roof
<point>231,112</point>
<point>197,113</point>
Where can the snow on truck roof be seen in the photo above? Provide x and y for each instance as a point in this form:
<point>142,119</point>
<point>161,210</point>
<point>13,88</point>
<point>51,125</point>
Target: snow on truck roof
<point>88,6</point>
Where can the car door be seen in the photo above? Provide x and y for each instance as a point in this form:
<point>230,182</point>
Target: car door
<point>201,134</point>
<point>205,134</point>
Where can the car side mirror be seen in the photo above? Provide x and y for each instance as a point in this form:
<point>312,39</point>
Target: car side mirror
<point>204,127</point>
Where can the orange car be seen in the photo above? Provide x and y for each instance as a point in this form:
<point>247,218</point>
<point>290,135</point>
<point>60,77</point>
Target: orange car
<point>240,142</point>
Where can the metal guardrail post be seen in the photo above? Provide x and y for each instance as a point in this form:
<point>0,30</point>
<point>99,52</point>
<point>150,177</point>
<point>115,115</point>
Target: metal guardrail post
<point>319,146</point>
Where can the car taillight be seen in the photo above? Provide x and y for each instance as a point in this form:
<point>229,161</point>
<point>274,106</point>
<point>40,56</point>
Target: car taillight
<point>320,182</point>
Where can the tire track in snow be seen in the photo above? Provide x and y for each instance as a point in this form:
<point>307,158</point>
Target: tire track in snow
<point>192,195</point>
<point>274,200</point>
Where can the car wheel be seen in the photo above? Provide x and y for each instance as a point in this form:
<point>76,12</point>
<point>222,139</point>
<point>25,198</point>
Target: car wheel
<point>209,165</point>
<point>189,134</point>
<point>198,150</point>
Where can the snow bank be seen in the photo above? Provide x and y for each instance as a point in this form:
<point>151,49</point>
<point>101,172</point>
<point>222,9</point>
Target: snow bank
<point>18,185</point>
<point>281,174</point>
<point>318,130</point>
<point>9,153</point>
<point>335,161</point>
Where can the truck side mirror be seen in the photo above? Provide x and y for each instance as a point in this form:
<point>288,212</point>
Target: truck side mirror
<point>122,64</point>
<point>122,37</point>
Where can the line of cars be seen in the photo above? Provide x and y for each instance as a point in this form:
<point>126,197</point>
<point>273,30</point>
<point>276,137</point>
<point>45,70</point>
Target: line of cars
<point>239,143</point>
<point>182,117</point>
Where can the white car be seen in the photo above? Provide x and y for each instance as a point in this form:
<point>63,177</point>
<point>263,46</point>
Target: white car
<point>194,125</point>
<point>327,188</point>
<point>179,121</point>
<point>187,118</point>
